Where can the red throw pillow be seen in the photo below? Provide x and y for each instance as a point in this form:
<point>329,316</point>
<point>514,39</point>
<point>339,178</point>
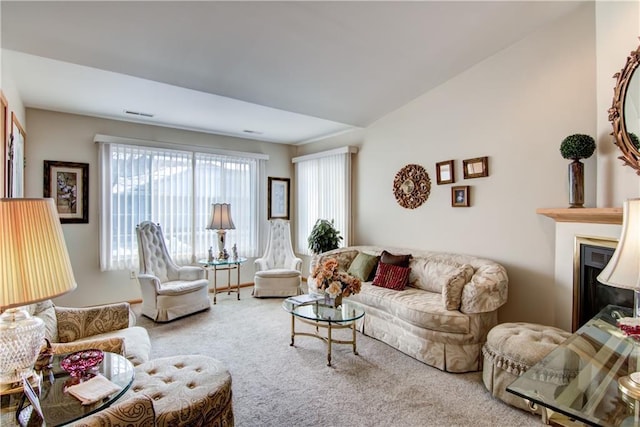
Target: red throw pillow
<point>391,276</point>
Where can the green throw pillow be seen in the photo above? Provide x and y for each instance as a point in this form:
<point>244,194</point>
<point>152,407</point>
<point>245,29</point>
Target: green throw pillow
<point>362,266</point>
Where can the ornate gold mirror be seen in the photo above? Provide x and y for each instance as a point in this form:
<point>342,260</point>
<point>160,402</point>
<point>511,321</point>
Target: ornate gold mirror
<point>411,186</point>
<point>624,113</point>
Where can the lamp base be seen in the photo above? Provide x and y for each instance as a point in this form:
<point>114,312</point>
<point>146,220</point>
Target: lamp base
<point>21,337</point>
<point>221,242</point>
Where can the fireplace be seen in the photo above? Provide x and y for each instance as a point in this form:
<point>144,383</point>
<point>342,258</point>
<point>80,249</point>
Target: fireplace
<point>590,296</point>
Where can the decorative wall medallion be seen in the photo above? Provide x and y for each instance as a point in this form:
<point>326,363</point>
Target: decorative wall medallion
<point>411,186</point>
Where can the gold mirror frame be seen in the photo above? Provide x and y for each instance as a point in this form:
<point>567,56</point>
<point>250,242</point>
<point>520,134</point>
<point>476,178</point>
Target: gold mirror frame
<point>630,154</point>
<point>411,186</point>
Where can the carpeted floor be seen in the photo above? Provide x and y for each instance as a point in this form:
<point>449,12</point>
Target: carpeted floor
<point>275,384</point>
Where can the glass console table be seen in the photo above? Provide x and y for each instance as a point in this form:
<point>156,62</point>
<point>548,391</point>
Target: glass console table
<point>224,265</point>
<point>578,381</point>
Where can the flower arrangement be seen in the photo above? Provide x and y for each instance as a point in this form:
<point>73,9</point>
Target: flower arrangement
<point>334,282</point>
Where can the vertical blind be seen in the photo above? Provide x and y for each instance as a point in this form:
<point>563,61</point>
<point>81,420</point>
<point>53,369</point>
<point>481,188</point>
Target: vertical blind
<point>175,189</point>
<point>323,192</point>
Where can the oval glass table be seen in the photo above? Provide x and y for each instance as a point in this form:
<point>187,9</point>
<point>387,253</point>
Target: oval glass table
<point>316,313</point>
<point>59,407</point>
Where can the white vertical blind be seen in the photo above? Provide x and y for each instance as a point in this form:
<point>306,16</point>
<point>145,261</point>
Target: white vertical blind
<point>323,192</point>
<point>174,188</point>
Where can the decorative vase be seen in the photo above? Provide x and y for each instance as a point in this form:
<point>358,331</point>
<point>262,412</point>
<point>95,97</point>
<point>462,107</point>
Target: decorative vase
<point>576,184</point>
<point>333,302</point>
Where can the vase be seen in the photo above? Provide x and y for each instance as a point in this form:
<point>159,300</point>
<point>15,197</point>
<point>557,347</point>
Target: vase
<point>333,302</point>
<point>576,184</point>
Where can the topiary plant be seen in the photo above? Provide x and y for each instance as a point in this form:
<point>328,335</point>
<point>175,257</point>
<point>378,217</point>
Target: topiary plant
<point>324,237</point>
<point>577,146</point>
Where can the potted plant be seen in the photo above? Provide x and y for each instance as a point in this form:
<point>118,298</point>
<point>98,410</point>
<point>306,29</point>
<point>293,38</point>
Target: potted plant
<point>576,147</point>
<point>324,237</point>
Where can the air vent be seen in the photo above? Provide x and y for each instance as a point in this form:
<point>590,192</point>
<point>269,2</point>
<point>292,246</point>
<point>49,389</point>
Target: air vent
<point>253,132</point>
<point>138,113</point>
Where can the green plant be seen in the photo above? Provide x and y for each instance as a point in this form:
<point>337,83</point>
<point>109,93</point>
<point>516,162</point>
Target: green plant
<point>634,140</point>
<point>324,237</point>
<point>577,146</point>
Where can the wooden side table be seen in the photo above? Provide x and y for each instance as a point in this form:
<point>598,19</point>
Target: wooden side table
<point>223,265</point>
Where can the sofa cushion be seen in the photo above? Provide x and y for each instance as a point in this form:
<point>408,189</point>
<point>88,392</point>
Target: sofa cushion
<point>400,260</point>
<point>391,276</point>
<point>47,312</point>
<point>414,306</point>
<point>363,265</point>
<point>452,291</point>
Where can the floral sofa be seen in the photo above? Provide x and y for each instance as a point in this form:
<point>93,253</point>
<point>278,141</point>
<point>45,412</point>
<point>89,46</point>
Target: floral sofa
<point>444,313</point>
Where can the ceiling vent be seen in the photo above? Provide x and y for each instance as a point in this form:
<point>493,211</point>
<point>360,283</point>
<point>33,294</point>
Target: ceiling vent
<point>138,113</point>
<point>253,132</point>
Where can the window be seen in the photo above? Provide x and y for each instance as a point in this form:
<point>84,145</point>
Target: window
<point>323,183</point>
<point>175,188</point>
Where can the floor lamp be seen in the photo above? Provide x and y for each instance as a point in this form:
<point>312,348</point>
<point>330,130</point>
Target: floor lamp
<point>221,221</point>
<point>623,271</point>
<point>34,266</point>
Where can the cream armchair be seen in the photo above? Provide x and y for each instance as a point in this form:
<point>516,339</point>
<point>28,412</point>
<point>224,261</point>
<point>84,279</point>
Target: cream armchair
<point>168,291</point>
<point>278,271</point>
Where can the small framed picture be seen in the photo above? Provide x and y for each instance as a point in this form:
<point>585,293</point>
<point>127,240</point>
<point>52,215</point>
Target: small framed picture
<point>278,198</point>
<point>475,168</point>
<point>68,185</point>
<point>460,196</point>
<point>444,172</point>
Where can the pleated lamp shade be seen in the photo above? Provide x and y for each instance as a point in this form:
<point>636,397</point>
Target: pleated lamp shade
<point>221,217</point>
<point>34,262</point>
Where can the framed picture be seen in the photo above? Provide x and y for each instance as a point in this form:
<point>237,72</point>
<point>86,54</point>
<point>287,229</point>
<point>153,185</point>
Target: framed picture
<point>475,168</point>
<point>68,184</point>
<point>460,196</point>
<point>278,199</point>
<point>15,159</point>
<point>4,136</point>
<point>444,172</point>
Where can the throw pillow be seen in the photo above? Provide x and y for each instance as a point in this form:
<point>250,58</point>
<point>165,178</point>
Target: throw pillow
<point>391,276</point>
<point>452,291</point>
<point>362,266</point>
<point>399,260</point>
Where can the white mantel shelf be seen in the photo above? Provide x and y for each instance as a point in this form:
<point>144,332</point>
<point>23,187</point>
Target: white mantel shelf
<point>590,215</point>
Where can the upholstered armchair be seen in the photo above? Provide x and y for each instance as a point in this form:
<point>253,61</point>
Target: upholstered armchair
<point>109,327</point>
<point>168,291</point>
<point>278,271</point>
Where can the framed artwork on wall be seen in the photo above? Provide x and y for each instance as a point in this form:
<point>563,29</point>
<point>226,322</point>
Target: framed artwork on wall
<point>68,184</point>
<point>444,172</point>
<point>278,198</point>
<point>460,196</point>
<point>14,180</point>
<point>475,168</point>
<point>4,112</point>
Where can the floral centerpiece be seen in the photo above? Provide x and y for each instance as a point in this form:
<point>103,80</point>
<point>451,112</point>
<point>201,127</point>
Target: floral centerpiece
<point>334,283</point>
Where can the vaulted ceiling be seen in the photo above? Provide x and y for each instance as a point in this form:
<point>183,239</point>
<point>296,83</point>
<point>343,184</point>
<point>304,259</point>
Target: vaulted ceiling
<point>288,72</point>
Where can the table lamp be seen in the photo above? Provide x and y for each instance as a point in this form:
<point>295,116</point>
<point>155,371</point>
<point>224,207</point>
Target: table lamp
<point>221,221</point>
<point>623,271</point>
<point>34,266</point>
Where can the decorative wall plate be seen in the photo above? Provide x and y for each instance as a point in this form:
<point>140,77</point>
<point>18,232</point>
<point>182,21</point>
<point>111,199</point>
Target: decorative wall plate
<point>411,186</point>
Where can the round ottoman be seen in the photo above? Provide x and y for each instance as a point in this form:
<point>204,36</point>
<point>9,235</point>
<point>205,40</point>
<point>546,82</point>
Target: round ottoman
<point>510,350</point>
<point>186,390</point>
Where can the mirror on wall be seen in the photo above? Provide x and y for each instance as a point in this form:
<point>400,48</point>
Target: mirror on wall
<point>624,113</point>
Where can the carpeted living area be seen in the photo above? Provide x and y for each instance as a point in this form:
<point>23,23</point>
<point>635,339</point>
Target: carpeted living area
<point>275,384</point>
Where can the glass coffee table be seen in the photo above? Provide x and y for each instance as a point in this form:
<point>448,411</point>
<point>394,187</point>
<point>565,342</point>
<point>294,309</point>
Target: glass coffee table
<point>323,316</point>
<point>579,381</point>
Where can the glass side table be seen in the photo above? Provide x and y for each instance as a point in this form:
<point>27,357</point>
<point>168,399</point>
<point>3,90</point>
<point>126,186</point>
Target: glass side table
<point>223,265</point>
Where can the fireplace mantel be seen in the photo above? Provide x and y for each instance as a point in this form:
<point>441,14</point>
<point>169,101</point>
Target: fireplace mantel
<point>589,215</point>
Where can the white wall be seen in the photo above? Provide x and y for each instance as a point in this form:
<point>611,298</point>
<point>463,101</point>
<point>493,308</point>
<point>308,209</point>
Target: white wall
<point>515,107</point>
<point>68,137</point>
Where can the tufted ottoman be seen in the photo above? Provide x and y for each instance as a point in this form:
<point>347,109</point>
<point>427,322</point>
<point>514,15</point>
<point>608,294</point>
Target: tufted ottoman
<point>186,390</point>
<point>510,350</point>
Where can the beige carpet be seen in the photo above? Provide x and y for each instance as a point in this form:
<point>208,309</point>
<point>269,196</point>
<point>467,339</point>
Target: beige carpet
<point>275,384</point>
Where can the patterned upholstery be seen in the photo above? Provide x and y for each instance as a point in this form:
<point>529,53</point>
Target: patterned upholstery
<point>168,291</point>
<point>109,327</point>
<point>444,314</point>
<point>512,348</point>
<point>189,390</point>
<point>278,271</point>
<point>134,412</point>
